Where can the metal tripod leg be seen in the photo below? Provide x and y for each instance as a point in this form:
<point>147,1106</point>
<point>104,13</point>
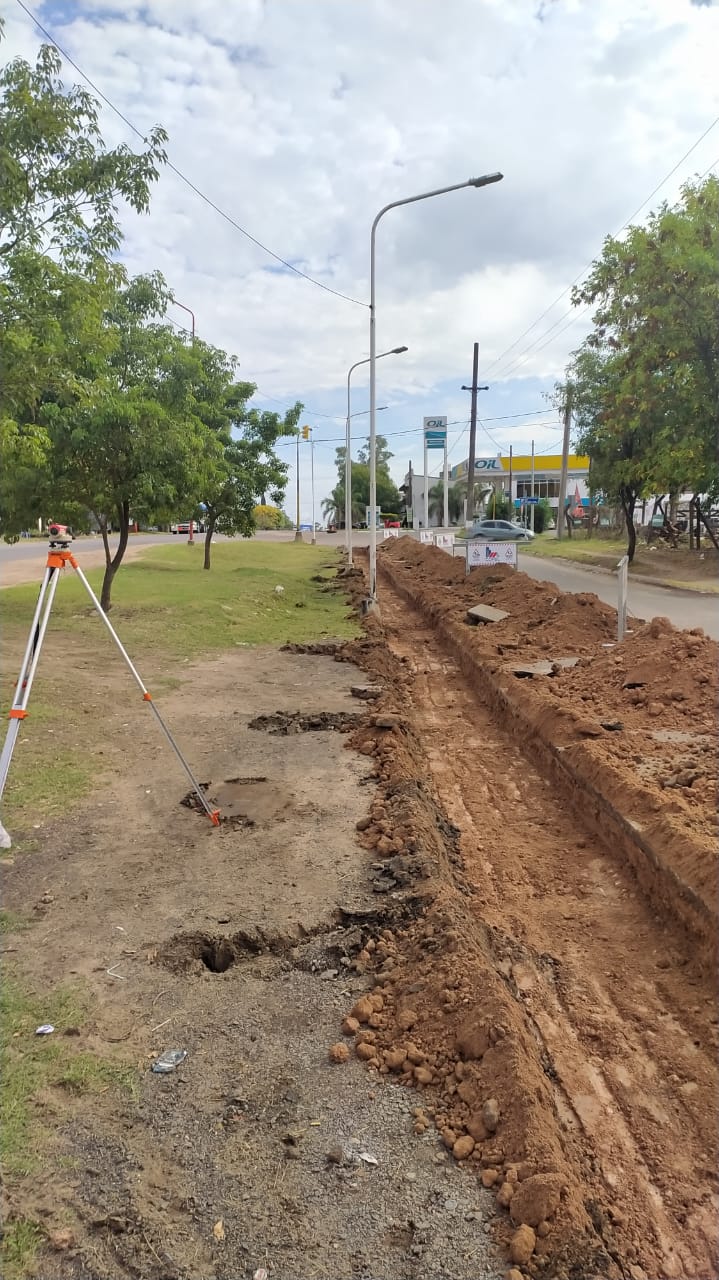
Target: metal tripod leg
<point>213,814</point>
<point>18,711</point>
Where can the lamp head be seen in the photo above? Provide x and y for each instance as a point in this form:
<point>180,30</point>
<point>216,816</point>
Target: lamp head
<point>397,351</point>
<point>485,180</point>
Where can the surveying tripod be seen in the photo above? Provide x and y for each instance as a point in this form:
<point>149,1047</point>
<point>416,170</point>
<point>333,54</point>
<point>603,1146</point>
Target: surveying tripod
<point>59,557</point>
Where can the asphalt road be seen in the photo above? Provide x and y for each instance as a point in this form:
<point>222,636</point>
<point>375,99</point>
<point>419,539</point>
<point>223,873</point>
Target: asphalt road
<point>24,562</point>
<point>684,608</point>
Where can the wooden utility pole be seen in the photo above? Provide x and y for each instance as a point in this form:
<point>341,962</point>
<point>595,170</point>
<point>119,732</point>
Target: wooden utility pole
<point>472,432</point>
<point>561,514</point>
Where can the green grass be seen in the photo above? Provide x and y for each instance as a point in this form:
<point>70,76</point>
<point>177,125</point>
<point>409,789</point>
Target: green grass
<point>165,599</point>
<point>166,607</point>
<point>30,1063</point>
<point>668,568</point>
<point>579,547</point>
<point>21,1240</point>
<point>12,922</point>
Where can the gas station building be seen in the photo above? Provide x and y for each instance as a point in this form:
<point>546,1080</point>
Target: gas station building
<point>513,477</point>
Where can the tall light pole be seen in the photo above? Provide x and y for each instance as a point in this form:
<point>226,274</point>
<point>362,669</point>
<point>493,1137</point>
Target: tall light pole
<point>396,351</point>
<point>484,181</point>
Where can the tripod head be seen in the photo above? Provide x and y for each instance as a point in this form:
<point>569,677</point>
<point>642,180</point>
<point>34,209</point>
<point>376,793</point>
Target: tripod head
<point>59,535</point>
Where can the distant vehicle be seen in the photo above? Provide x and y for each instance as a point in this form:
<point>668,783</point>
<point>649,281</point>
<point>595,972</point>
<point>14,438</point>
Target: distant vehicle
<point>392,524</point>
<point>183,526</point>
<point>500,531</point>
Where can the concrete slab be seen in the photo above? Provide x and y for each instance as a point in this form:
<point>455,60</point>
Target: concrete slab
<point>542,667</point>
<point>483,613</point>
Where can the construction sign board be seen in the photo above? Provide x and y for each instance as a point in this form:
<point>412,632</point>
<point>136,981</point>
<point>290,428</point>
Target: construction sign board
<point>490,553</point>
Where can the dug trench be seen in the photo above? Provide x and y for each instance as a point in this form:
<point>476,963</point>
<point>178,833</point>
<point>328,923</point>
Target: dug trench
<point>556,1003</point>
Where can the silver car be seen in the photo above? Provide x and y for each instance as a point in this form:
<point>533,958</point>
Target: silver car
<point>500,531</point>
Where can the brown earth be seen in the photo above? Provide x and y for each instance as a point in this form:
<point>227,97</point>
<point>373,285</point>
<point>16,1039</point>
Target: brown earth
<point>493,937</point>
<point>562,1031</point>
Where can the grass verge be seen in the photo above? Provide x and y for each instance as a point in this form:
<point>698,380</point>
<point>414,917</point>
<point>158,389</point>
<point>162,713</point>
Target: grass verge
<point>166,608</point>
<point>30,1064</point>
<point>164,599</point>
<point>681,569</point>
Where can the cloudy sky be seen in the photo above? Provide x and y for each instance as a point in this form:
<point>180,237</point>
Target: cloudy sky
<point>300,119</point>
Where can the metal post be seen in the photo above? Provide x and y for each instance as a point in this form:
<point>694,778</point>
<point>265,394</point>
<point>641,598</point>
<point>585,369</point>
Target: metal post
<point>298,535</point>
<point>446,485</point>
<point>561,514</point>
<point>425,495</point>
<point>312,484</point>
<point>511,500</point>
<point>348,476</point>
<point>484,181</point>
<point>531,514</point>
<point>396,351</point>
<point>623,568</point>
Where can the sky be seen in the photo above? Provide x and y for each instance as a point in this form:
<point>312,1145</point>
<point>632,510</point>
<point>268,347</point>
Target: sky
<point>301,119</point>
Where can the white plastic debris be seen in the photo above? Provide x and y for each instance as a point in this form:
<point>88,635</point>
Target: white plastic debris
<point>45,1030</point>
<point>279,591</point>
<point>5,841</point>
<point>367,1158</point>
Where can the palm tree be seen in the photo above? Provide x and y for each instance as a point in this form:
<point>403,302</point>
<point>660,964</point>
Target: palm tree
<point>457,494</point>
<point>333,507</point>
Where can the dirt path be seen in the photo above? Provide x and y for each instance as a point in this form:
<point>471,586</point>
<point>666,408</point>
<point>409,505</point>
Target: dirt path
<point>626,1019</point>
<point>237,946</point>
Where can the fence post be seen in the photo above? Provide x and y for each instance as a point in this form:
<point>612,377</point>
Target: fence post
<point>623,568</point>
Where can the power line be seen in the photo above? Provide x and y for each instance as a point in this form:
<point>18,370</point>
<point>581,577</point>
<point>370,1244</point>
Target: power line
<point>498,360</point>
<point>183,177</point>
<point>413,431</point>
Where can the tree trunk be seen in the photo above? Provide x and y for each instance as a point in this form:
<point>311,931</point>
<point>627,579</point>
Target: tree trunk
<point>707,526</point>
<point>209,531</point>
<point>628,501</point>
<point>112,565</point>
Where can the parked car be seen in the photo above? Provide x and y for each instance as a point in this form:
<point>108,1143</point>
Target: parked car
<point>184,526</point>
<point>392,524</point>
<point>500,531</point>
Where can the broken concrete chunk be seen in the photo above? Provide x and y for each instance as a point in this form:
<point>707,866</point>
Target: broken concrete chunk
<point>482,613</point>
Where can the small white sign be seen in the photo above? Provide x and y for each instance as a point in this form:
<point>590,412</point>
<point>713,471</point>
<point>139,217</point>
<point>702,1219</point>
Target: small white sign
<point>425,535</point>
<point>444,540</point>
<point>391,533</point>
<point>490,553</point>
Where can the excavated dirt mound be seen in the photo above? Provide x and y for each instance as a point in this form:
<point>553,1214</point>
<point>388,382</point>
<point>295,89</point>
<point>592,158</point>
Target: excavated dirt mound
<point>631,727</point>
<point>551,620</point>
<point>561,1036</point>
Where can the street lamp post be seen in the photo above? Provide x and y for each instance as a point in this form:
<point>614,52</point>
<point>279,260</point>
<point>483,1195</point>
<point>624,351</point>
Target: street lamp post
<point>485,181</point>
<point>191,314</point>
<point>396,351</point>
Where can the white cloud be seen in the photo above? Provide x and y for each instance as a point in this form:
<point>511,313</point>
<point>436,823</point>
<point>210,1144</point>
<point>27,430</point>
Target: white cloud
<point>301,120</point>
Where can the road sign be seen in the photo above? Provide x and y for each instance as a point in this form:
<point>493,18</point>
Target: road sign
<point>490,553</point>
<point>532,502</point>
<point>435,432</point>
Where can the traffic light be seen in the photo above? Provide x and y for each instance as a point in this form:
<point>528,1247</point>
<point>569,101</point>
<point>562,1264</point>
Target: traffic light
<point>306,433</point>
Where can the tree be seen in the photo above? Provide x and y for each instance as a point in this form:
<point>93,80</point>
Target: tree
<point>59,234</point>
<point>648,374</point>
<point>382,454</point>
<point>269,517</point>
<point>455,502</point>
<point>133,443</point>
<point>246,468</point>
<point>388,495</point>
<point>59,185</point>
